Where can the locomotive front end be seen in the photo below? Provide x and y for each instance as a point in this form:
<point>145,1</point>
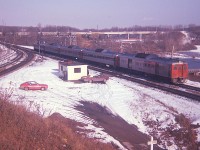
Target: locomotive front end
<point>179,72</point>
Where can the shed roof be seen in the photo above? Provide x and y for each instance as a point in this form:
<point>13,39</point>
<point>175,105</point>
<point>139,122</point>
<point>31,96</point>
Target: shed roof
<point>70,63</point>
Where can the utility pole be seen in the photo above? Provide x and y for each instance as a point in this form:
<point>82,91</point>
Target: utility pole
<point>39,47</point>
<point>3,25</point>
<point>121,47</point>
<point>172,52</point>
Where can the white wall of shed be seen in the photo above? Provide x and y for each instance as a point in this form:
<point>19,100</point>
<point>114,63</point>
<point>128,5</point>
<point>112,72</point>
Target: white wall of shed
<point>76,76</point>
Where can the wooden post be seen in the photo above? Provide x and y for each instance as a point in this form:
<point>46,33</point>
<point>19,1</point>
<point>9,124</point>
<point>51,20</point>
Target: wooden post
<point>152,142</point>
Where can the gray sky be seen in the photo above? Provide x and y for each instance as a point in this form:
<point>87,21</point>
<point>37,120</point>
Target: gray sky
<point>102,13</point>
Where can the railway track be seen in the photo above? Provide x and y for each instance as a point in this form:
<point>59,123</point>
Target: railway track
<point>5,57</point>
<point>23,56</point>
<point>18,56</point>
<point>189,87</point>
<point>183,90</point>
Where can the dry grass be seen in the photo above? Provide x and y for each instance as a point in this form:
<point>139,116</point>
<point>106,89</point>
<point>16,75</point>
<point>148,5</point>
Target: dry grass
<point>22,129</point>
<point>184,136</point>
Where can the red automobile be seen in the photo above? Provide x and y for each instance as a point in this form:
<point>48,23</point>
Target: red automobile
<point>32,85</point>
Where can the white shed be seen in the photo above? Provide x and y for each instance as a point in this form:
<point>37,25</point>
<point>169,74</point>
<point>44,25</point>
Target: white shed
<point>70,70</point>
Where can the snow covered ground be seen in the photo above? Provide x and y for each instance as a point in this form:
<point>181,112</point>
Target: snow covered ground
<point>192,57</point>
<point>6,54</point>
<point>134,103</point>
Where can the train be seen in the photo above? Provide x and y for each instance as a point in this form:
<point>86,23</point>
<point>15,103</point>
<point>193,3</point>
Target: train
<point>167,69</point>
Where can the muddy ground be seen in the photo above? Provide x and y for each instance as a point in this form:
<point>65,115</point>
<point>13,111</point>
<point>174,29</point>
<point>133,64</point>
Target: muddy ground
<point>127,134</point>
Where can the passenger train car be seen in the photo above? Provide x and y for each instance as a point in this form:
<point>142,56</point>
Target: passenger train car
<point>170,69</point>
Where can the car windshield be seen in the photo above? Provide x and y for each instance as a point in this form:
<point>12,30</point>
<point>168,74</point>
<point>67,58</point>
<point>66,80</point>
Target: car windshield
<point>33,82</point>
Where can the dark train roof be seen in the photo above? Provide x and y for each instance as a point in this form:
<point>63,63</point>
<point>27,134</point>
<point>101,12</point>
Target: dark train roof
<point>74,46</point>
<point>156,58</point>
<point>167,60</point>
<point>54,44</point>
<point>99,50</point>
<point>145,56</point>
<point>126,55</point>
<point>141,55</point>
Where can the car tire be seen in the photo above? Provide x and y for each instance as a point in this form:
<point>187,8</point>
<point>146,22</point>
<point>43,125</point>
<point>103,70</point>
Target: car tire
<point>26,89</point>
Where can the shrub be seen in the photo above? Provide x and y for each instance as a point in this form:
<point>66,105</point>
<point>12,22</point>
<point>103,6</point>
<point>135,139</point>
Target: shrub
<point>22,129</point>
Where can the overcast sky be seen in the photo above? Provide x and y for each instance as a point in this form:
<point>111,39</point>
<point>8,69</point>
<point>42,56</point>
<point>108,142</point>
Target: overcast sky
<point>99,13</point>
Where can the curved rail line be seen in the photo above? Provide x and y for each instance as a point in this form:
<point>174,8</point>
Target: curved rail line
<point>24,56</point>
<point>19,56</point>
<point>6,57</point>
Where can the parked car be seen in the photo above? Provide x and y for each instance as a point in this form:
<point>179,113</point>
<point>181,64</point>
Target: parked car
<point>32,85</point>
<point>91,79</point>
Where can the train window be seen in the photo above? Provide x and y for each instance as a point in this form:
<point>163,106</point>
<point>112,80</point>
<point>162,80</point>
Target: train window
<point>175,68</point>
<point>179,68</point>
<point>184,68</point>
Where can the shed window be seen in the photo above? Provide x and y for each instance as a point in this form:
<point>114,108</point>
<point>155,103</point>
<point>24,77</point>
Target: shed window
<point>77,70</point>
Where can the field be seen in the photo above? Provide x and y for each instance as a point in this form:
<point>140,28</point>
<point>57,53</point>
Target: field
<point>142,110</point>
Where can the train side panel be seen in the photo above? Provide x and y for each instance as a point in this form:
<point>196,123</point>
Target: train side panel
<point>126,61</point>
<point>149,67</point>
<point>98,57</point>
<point>70,52</point>
<point>172,69</point>
<point>138,65</point>
<point>162,69</point>
<point>52,49</point>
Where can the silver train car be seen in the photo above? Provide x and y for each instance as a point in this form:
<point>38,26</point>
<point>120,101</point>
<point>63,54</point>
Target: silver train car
<point>172,69</point>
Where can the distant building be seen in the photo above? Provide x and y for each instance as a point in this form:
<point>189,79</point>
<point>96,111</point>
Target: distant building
<point>70,70</point>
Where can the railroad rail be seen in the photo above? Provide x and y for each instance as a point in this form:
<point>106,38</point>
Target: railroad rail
<point>18,56</point>
<point>187,91</point>
<point>23,56</point>
<point>181,90</point>
<point>189,87</point>
<point>7,56</point>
